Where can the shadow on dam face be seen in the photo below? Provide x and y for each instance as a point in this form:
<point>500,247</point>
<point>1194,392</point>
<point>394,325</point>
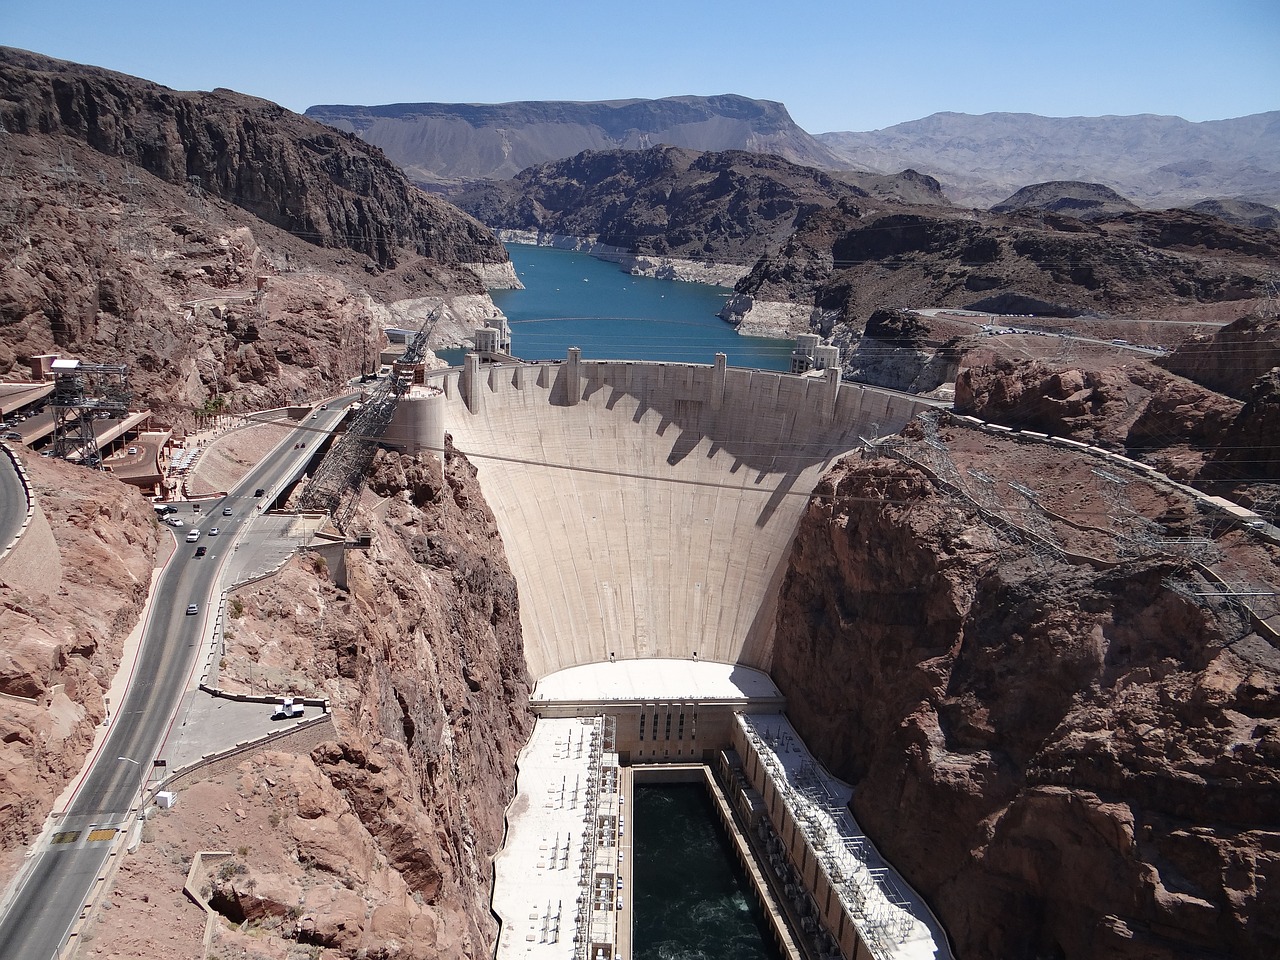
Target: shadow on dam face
<point>647,509</point>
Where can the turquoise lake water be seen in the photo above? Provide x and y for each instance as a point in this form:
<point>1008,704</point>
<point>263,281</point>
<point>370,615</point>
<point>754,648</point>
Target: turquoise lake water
<point>692,900</point>
<point>573,300</point>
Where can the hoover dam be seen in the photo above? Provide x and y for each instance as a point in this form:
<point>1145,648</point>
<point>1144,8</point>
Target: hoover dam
<point>647,511</point>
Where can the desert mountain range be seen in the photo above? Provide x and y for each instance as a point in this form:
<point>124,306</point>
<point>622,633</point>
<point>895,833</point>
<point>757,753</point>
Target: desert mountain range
<point>980,160</point>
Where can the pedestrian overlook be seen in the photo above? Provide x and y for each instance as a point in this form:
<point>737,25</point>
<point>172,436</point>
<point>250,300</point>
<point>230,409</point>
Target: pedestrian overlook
<point>647,509</point>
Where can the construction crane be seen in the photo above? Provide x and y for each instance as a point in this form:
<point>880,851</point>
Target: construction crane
<point>336,483</point>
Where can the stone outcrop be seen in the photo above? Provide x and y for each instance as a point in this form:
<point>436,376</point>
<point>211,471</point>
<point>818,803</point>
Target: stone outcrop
<point>1066,759</point>
<point>1135,409</point>
<point>1232,359</point>
<point>898,350</point>
<point>63,622</point>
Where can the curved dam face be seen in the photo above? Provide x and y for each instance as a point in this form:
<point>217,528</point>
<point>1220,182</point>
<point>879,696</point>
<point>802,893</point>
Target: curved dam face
<point>647,509</point>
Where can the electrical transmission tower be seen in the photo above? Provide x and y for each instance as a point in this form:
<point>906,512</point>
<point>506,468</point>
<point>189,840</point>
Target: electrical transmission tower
<point>335,486</point>
<point>82,394</point>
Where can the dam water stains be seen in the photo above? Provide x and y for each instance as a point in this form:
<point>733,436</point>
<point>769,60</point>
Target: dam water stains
<point>574,300</point>
<point>691,899</point>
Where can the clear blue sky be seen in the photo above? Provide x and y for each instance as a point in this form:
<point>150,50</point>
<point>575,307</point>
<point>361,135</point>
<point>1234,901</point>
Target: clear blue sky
<point>837,65</point>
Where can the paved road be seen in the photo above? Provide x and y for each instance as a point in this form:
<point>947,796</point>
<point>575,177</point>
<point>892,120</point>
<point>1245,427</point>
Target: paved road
<point>59,878</point>
<point>13,502</point>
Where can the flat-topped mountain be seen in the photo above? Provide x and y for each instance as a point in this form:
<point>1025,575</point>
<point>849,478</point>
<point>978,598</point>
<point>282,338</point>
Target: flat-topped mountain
<point>436,142</point>
<point>1085,201</point>
<point>1153,160</point>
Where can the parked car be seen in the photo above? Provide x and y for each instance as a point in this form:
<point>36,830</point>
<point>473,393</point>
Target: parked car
<point>289,707</point>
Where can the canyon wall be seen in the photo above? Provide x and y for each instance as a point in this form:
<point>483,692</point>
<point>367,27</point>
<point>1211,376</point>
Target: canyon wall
<point>328,187</point>
<point>1068,759</point>
<point>379,841</point>
<point>65,611</point>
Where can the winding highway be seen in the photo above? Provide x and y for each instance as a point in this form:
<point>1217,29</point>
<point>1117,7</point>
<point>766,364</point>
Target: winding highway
<point>13,502</point>
<point>59,876</point>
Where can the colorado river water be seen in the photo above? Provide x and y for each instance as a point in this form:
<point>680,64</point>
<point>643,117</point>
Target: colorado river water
<point>692,900</point>
<point>574,300</point>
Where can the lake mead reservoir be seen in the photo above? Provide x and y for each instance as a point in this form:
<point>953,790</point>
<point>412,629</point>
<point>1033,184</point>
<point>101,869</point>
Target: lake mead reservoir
<point>575,300</point>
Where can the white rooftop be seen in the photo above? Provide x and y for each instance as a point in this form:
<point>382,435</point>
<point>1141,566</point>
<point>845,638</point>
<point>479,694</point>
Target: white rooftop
<point>553,852</point>
<point>894,919</point>
<point>655,679</point>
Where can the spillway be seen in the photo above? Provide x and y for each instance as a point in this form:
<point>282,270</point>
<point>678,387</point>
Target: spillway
<point>647,509</point>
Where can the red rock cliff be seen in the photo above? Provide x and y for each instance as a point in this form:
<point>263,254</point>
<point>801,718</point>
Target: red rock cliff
<point>1068,760</point>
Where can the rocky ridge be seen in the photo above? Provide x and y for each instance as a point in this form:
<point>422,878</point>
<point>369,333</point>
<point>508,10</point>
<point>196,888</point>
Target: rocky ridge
<point>662,206</point>
<point>1065,755</point>
<point>207,304</point>
<point>283,169</point>
<point>846,261</point>
<point>1156,161</point>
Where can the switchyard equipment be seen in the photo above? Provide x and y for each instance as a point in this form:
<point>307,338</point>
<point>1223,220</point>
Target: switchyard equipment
<point>83,393</point>
<point>335,486</point>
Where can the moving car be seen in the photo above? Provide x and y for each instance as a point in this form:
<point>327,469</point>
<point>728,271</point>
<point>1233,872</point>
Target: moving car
<point>213,531</point>
<point>201,551</point>
<point>193,608</point>
<point>226,511</point>
<point>193,535</point>
<point>173,521</point>
<point>259,492</point>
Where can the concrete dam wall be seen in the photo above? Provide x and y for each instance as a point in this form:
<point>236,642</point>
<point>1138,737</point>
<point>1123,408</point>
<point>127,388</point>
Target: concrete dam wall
<point>648,509</point>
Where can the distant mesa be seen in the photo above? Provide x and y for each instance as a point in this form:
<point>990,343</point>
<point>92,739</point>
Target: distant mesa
<point>435,142</point>
<point>1072,198</point>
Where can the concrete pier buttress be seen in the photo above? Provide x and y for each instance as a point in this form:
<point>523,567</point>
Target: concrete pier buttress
<point>647,509</point>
